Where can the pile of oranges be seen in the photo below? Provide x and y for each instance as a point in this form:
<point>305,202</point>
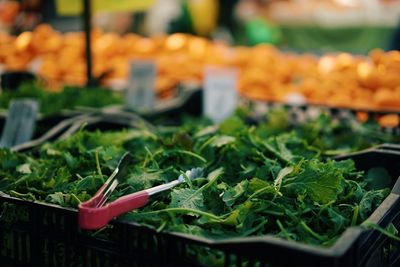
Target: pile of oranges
<point>265,73</point>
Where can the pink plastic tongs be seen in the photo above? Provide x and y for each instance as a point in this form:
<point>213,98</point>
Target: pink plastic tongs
<point>96,213</point>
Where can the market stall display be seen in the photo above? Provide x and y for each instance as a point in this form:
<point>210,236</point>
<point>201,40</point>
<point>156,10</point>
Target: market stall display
<point>255,183</point>
<point>266,73</point>
<point>178,150</point>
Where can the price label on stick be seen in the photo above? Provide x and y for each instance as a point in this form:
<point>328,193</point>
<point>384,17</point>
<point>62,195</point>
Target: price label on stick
<point>220,93</point>
<point>20,122</point>
<point>140,94</point>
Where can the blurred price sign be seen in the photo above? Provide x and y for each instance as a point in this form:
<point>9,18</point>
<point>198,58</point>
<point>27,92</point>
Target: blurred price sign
<point>20,122</point>
<point>220,93</point>
<point>75,7</point>
<point>140,92</point>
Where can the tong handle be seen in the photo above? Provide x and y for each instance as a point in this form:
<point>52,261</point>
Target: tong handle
<point>91,217</point>
<point>128,203</point>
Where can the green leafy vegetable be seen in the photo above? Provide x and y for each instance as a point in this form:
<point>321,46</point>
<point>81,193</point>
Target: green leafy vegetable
<point>320,181</point>
<point>187,198</point>
<point>256,181</point>
<point>68,98</point>
<point>330,136</point>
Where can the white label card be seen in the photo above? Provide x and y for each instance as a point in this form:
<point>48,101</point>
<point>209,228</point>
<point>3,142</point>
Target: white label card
<point>141,92</point>
<point>20,123</point>
<point>220,93</point>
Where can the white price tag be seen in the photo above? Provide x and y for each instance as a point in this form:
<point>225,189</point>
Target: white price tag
<point>141,92</point>
<point>220,93</point>
<point>20,123</point>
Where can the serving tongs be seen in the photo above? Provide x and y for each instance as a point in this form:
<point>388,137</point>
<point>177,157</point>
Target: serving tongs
<point>96,212</point>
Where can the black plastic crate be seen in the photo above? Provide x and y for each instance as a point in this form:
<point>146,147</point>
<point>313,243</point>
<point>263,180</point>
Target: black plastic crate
<point>39,234</point>
<point>186,101</point>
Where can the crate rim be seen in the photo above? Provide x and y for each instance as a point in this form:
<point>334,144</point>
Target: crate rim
<point>342,245</point>
<point>380,111</point>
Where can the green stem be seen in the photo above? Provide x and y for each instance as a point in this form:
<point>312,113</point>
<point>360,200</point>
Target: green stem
<point>271,150</point>
<point>259,191</point>
<point>162,226</point>
<point>283,230</point>
<point>209,141</point>
<point>35,190</point>
<point>355,216</point>
<point>151,155</point>
<point>308,229</point>
<point>211,182</point>
<point>184,211</point>
<point>98,164</point>
<point>191,154</point>
<point>21,180</point>
<point>255,229</point>
<point>370,225</point>
<point>99,231</point>
<point>274,213</point>
<point>76,198</point>
<point>22,195</point>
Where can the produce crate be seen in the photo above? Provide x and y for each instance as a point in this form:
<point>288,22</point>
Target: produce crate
<point>299,113</point>
<point>187,100</point>
<point>39,234</point>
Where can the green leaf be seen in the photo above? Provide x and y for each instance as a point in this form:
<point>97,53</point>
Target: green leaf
<point>213,201</point>
<point>257,184</point>
<point>10,160</point>
<point>24,168</point>
<point>56,198</point>
<point>238,215</point>
<point>145,179</point>
<point>370,201</point>
<point>187,198</point>
<point>214,175</point>
<point>222,140</point>
<point>70,160</point>
<point>283,150</point>
<point>206,131</point>
<point>232,126</point>
<point>278,121</point>
<point>90,183</point>
<point>62,176</point>
<point>338,220</point>
<point>184,140</point>
<point>319,181</point>
<point>283,173</point>
<point>378,178</point>
<point>191,198</point>
<point>233,193</point>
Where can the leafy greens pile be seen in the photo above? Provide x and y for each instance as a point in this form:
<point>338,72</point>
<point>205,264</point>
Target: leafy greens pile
<point>331,136</point>
<point>70,97</point>
<point>255,183</point>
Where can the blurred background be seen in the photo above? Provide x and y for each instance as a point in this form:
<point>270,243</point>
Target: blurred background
<point>336,52</point>
<point>297,25</point>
